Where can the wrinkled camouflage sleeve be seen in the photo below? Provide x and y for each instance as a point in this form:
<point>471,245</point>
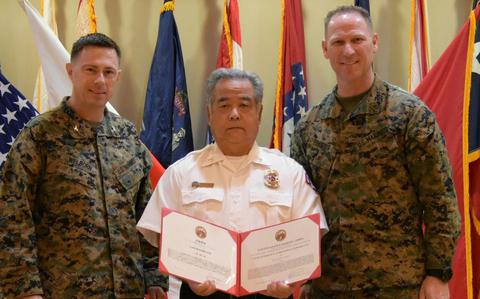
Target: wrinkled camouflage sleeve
<point>150,253</point>
<point>297,150</point>
<point>430,173</point>
<point>19,275</point>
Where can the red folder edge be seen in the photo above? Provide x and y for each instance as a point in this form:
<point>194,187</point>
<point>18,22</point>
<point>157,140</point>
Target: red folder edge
<point>315,218</point>
<point>161,266</point>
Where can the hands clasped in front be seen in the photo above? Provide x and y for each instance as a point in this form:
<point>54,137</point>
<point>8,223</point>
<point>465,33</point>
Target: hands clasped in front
<point>275,289</point>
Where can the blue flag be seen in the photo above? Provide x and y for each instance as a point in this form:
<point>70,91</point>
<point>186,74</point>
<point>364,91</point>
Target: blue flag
<point>167,128</point>
<point>365,4</point>
<point>474,105</point>
<point>15,112</point>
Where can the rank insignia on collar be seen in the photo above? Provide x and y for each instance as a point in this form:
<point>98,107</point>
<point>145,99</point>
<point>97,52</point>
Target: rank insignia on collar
<point>270,179</point>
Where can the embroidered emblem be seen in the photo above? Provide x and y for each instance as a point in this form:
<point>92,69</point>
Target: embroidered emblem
<point>270,179</point>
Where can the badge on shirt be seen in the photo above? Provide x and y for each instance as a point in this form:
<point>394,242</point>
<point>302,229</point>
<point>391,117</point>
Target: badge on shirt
<point>196,184</point>
<point>270,179</point>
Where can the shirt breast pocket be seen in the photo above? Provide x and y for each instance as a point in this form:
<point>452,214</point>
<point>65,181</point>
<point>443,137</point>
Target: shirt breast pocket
<point>203,203</point>
<point>276,206</point>
<point>382,162</point>
<point>130,175</point>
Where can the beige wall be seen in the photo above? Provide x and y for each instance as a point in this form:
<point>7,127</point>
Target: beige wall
<point>134,24</point>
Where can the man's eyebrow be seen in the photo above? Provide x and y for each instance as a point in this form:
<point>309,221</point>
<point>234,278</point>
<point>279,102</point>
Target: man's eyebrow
<point>247,98</point>
<point>222,99</point>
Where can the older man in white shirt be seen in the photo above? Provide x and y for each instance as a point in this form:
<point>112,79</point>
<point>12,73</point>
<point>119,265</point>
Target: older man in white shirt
<point>234,182</point>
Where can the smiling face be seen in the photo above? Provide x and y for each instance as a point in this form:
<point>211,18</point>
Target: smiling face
<point>234,116</point>
<point>94,74</point>
<point>350,45</point>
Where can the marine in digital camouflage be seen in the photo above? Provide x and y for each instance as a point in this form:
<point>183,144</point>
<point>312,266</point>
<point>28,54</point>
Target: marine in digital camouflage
<point>382,171</point>
<point>71,193</point>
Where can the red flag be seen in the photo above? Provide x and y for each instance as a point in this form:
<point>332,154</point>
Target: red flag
<point>230,51</point>
<point>451,90</point>
<point>418,48</point>
<point>291,99</point>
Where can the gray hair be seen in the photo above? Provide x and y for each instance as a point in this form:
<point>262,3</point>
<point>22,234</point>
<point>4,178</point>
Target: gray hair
<point>234,74</point>
<point>348,9</point>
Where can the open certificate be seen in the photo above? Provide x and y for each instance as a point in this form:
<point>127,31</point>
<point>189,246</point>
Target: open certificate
<point>239,263</point>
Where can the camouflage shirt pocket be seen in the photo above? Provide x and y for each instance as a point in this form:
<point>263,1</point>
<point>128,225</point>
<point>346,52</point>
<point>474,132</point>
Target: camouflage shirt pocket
<point>382,159</point>
<point>131,174</point>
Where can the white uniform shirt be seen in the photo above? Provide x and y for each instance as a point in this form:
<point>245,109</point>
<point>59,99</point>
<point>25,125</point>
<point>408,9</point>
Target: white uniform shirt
<point>238,198</point>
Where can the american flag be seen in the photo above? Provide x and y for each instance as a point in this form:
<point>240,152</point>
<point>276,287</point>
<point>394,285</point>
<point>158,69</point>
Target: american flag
<point>15,112</point>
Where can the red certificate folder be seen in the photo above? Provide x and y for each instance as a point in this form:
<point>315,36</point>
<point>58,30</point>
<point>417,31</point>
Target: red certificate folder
<point>239,263</point>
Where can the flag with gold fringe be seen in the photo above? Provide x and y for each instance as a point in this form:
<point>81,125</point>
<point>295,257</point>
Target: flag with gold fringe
<point>86,21</point>
<point>230,51</point>
<point>167,128</point>
<point>452,91</point>
<point>291,101</point>
<point>40,99</point>
<point>419,50</point>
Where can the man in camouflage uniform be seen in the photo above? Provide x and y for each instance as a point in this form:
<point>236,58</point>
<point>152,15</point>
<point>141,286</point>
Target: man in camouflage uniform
<point>73,187</point>
<point>378,160</point>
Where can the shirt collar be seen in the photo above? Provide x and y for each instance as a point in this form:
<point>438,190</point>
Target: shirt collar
<point>213,155</point>
<point>371,104</point>
<point>80,128</point>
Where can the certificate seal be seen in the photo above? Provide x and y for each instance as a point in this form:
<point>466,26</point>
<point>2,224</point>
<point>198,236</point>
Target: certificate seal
<point>270,179</point>
<point>201,232</point>
<point>280,235</point>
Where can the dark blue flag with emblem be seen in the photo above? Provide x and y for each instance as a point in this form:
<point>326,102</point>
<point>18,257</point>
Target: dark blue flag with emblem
<point>15,112</point>
<point>167,128</point>
<point>365,4</point>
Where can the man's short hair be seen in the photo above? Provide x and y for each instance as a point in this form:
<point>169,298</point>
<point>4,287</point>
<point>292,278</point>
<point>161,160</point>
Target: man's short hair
<point>234,74</point>
<point>96,40</point>
<point>348,9</point>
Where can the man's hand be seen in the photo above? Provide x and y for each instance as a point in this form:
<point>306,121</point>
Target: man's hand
<point>202,289</point>
<point>278,289</point>
<point>33,297</point>
<point>434,288</point>
<point>156,292</point>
